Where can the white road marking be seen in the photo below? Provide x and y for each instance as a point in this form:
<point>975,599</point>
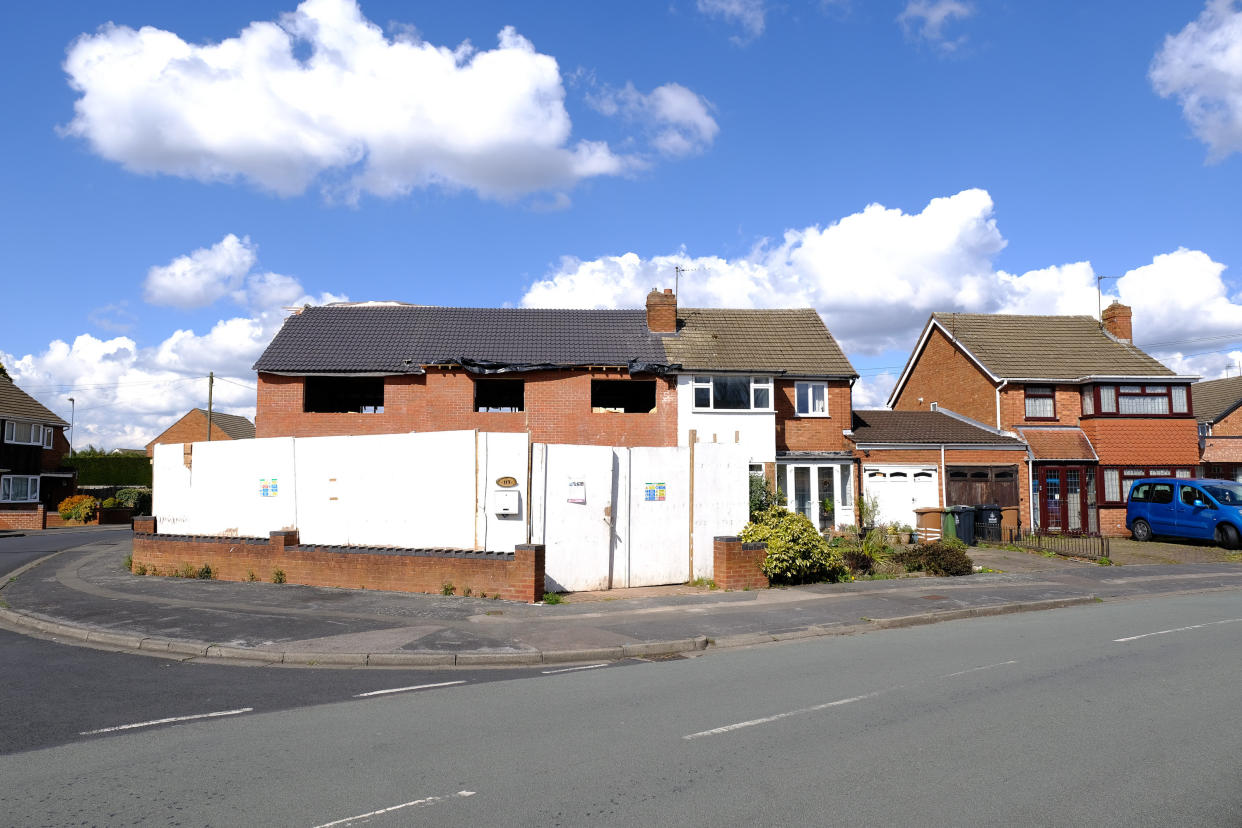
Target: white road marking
<point>716,731</point>
<point>1176,629</point>
<point>977,669</point>
<point>571,669</point>
<point>407,689</point>
<point>415,803</point>
<point>153,722</point>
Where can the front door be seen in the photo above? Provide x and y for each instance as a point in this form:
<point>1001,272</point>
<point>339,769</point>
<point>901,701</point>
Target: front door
<point>1067,499</point>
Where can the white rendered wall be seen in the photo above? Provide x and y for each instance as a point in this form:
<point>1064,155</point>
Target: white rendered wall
<point>657,531</point>
<point>577,536</point>
<point>721,499</point>
<point>756,430</point>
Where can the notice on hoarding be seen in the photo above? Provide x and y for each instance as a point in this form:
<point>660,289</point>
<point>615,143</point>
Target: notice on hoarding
<point>654,492</point>
<point>268,487</point>
<point>577,491</point>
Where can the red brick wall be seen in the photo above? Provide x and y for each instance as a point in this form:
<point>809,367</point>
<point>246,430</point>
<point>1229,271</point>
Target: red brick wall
<point>963,457</point>
<point>557,403</point>
<point>1068,406</point>
<point>736,565</point>
<point>1124,441</point>
<point>22,518</point>
<point>53,457</point>
<point>943,374</point>
<point>794,433</point>
<point>1231,426</point>
<point>1113,522</point>
<point>192,428</point>
<point>516,578</point>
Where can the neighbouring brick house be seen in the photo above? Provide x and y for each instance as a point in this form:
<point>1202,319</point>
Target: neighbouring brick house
<point>32,449</point>
<point>1095,411</point>
<point>915,459</point>
<point>1218,410</point>
<point>773,380</point>
<point>192,428</point>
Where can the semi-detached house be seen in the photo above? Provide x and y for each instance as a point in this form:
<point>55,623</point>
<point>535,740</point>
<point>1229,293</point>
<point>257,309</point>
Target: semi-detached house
<point>775,381</point>
<point>32,448</point>
<point>1095,411</point>
<point>1218,409</point>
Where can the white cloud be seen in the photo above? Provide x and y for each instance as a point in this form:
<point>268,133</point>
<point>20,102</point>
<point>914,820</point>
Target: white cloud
<point>200,278</point>
<point>749,14</point>
<point>362,113</point>
<point>927,20</point>
<point>679,121</point>
<point>127,393</point>
<point>1179,296</point>
<point>1201,66</point>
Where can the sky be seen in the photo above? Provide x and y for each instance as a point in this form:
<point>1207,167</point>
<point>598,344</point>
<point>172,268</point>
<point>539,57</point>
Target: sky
<point>180,175</point>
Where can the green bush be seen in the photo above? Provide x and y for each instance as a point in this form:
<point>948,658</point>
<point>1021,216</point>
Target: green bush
<point>110,503</point>
<point>797,553</point>
<point>137,498</point>
<point>111,470</point>
<point>858,561</point>
<point>78,507</point>
<point>943,557</point>
<point>762,496</point>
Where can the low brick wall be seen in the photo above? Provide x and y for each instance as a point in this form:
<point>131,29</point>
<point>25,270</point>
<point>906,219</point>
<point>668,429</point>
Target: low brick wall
<point>514,577</point>
<point>736,565</point>
<point>24,518</point>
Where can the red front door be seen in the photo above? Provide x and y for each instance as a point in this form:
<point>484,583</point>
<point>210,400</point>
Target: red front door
<point>1067,499</point>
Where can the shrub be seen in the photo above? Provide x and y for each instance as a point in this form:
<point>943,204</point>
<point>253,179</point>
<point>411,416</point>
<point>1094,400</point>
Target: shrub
<point>875,543</point>
<point>762,496</point>
<point>858,561</point>
<point>137,498</point>
<point>110,469</point>
<point>278,576</point>
<point>110,503</point>
<point>78,507</point>
<point>943,557</point>
<point>797,553</point>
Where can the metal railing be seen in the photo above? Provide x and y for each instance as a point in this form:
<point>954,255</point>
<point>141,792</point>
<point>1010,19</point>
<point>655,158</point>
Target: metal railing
<point>1075,546</point>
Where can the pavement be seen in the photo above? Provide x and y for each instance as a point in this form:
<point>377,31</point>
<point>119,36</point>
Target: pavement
<point>84,595</point>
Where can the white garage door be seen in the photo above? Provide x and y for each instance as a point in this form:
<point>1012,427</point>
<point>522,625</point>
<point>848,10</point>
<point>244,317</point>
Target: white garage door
<point>900,490</point>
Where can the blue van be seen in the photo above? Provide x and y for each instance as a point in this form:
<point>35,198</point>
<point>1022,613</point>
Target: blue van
<point>1186,508</point>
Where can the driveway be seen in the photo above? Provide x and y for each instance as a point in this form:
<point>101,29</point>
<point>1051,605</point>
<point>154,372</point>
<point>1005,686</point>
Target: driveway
<point>1122,552</point>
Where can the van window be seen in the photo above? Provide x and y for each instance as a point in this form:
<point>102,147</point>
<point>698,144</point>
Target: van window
<point>1140,493</point>
<point>1229,494</point>
<point>1162,493</point>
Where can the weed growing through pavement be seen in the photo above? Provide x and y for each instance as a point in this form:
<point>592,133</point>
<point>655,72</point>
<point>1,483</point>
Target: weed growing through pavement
<point>140,569</point>
<point>278,576</point>
<point>1105,561</point>
<point>552,598</point>
<point>129,562</point>
<point>448,588</point>
<point>250,576</point>
<point>467,592</point>
<point>702,582</point>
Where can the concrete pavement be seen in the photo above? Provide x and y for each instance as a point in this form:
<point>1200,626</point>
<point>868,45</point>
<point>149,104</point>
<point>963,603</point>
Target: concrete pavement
<point>84,594</point>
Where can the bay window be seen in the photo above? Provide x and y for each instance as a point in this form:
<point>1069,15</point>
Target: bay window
<point>1135,400</point>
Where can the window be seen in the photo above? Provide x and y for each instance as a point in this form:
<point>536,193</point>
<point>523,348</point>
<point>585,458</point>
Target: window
<point>1140,493</point>
<point>1190,494</point>
<point>1118,480</point>
<point>811,399</point>
<point>623,396</point>
<point>1040,403</point>
<point>495,395</point>
<point>19,488</point>
<point>48,435</point>
<point>24,434</point>
<point>1135,400</point>
<point>733,393</point>
<point>1161,493</point>
<point>343,395</point>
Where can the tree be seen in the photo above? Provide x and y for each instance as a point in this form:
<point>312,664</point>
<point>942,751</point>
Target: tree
<point>4,373</point>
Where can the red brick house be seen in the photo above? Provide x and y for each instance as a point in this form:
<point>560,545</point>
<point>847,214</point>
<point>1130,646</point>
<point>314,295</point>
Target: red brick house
<point>1218,409</point>
<point>1094,410</point>
<point>773,380</point>
<point>192,428</point>
<point>32,449</point>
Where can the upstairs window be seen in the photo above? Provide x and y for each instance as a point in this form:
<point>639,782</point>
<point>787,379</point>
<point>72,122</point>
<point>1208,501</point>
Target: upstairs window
<point>811,399</point>
<point>1040,403</point>
<point>496,395</point>
<point>343,395</point>
<point>26,434</point>
<point>1143,399</point>
<point>623,396</point>
<point>1088,401</point>
<point>729,393</point>
<point>1136,400</point>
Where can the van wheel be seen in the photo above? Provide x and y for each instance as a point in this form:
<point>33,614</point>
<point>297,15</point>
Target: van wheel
<point>1141,530</point>
<point>1227,536</point>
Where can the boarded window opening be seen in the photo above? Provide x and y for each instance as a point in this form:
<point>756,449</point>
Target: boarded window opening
<point>623,396</point>
<point>499,395</point>
<point>344,395</point>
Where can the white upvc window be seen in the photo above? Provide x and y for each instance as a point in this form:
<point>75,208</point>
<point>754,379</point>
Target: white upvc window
<point>48,435</point>
<point>732,393</point>
<point>811,399</point>
<point>23,434</point>
<point>18,488</point>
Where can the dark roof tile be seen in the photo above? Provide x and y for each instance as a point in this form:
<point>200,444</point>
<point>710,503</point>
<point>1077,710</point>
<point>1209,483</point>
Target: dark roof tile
<point>17,404</point>
<point>930,427</point>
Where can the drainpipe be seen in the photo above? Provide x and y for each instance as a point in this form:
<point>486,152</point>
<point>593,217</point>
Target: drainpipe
<point>944,497</point>
<point>998,390</point>
<point>1030,491</point>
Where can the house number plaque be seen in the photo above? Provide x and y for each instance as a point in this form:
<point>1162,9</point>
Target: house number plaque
<point>506,482</point>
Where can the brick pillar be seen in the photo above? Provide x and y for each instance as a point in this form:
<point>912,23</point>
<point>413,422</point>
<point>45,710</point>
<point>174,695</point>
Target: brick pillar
<point>144,526</point>
<point>736,565</point>
<point>528,576</point>
<point>283,538</point>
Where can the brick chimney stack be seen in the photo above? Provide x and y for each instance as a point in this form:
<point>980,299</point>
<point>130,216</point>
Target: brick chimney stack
<point>1117,321</point>
<point>662,311</point>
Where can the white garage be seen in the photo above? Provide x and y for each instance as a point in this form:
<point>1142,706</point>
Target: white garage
<point>900,490</point>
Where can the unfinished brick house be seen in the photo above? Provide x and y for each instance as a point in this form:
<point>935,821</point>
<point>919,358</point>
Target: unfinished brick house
<point>32,449</point>
<point>773,380</point>
<point>1095,411</point>
<point>192,427</point>
<point>1218,410</point>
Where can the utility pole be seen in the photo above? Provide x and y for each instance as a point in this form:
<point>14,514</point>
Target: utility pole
<point>211,381</point>
<point>73,409</point>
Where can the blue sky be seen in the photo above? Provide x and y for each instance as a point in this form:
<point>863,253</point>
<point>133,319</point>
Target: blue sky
<point>172,188</point>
